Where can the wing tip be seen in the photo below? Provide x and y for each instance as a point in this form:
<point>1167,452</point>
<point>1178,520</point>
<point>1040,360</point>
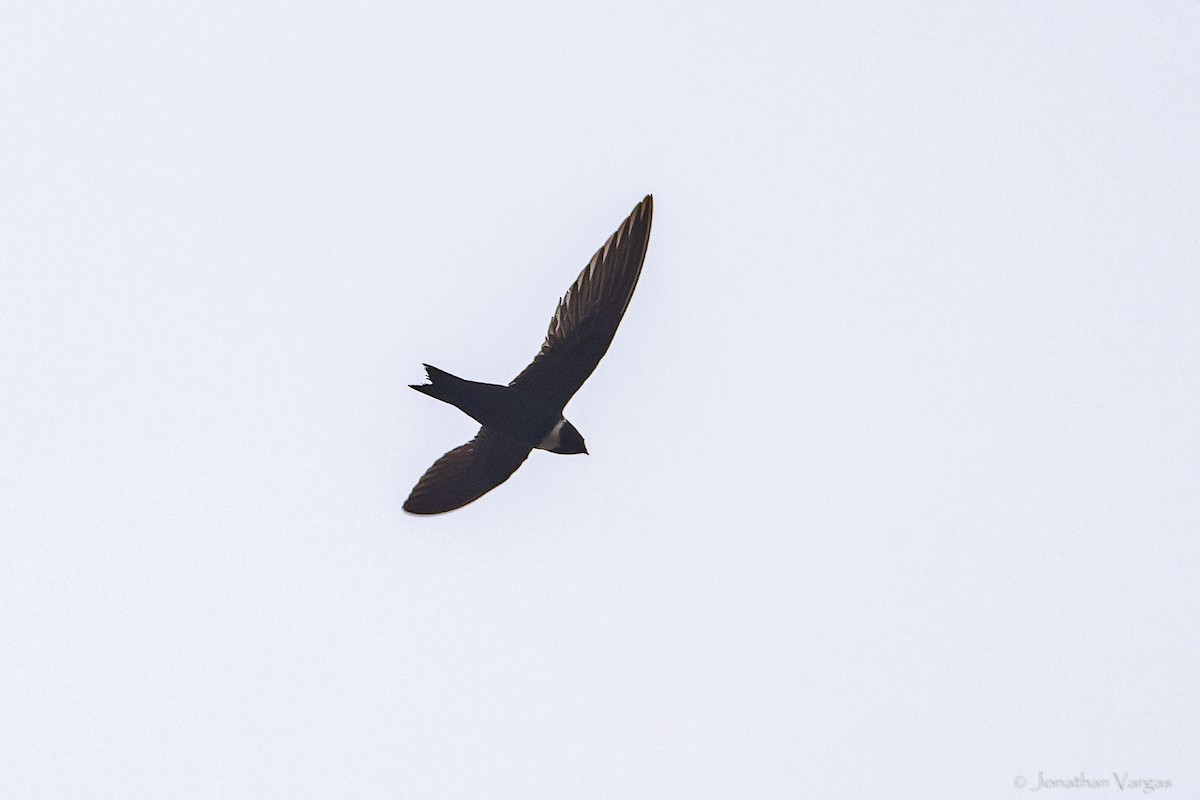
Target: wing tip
<point>411,508</point>
<point>643,213</point>
<point>425,506</point>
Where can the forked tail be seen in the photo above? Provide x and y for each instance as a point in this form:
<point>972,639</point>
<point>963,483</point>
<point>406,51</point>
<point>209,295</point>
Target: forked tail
<point>442,385</point>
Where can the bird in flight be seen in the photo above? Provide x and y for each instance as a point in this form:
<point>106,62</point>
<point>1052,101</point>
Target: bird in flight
<point>528,413</point>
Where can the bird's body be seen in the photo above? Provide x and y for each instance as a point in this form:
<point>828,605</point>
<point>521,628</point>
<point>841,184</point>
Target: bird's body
<point>528,413</point>
<point>526,417</point>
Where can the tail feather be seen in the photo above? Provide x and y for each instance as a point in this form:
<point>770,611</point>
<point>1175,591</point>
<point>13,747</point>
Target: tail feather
<point>442,385</point>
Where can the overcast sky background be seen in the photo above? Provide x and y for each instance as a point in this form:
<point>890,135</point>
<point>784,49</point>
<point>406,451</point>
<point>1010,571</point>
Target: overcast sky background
<point>893,485</point>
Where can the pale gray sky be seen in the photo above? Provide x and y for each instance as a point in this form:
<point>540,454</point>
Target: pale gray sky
<point>893,485</point>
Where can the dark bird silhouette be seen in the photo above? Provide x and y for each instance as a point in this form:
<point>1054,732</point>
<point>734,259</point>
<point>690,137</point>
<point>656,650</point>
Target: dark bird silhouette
<point>528,413</point>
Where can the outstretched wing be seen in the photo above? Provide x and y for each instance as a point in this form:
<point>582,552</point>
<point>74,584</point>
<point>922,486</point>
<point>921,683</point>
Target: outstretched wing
<point>589,313</point>
<point>467,473</point>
